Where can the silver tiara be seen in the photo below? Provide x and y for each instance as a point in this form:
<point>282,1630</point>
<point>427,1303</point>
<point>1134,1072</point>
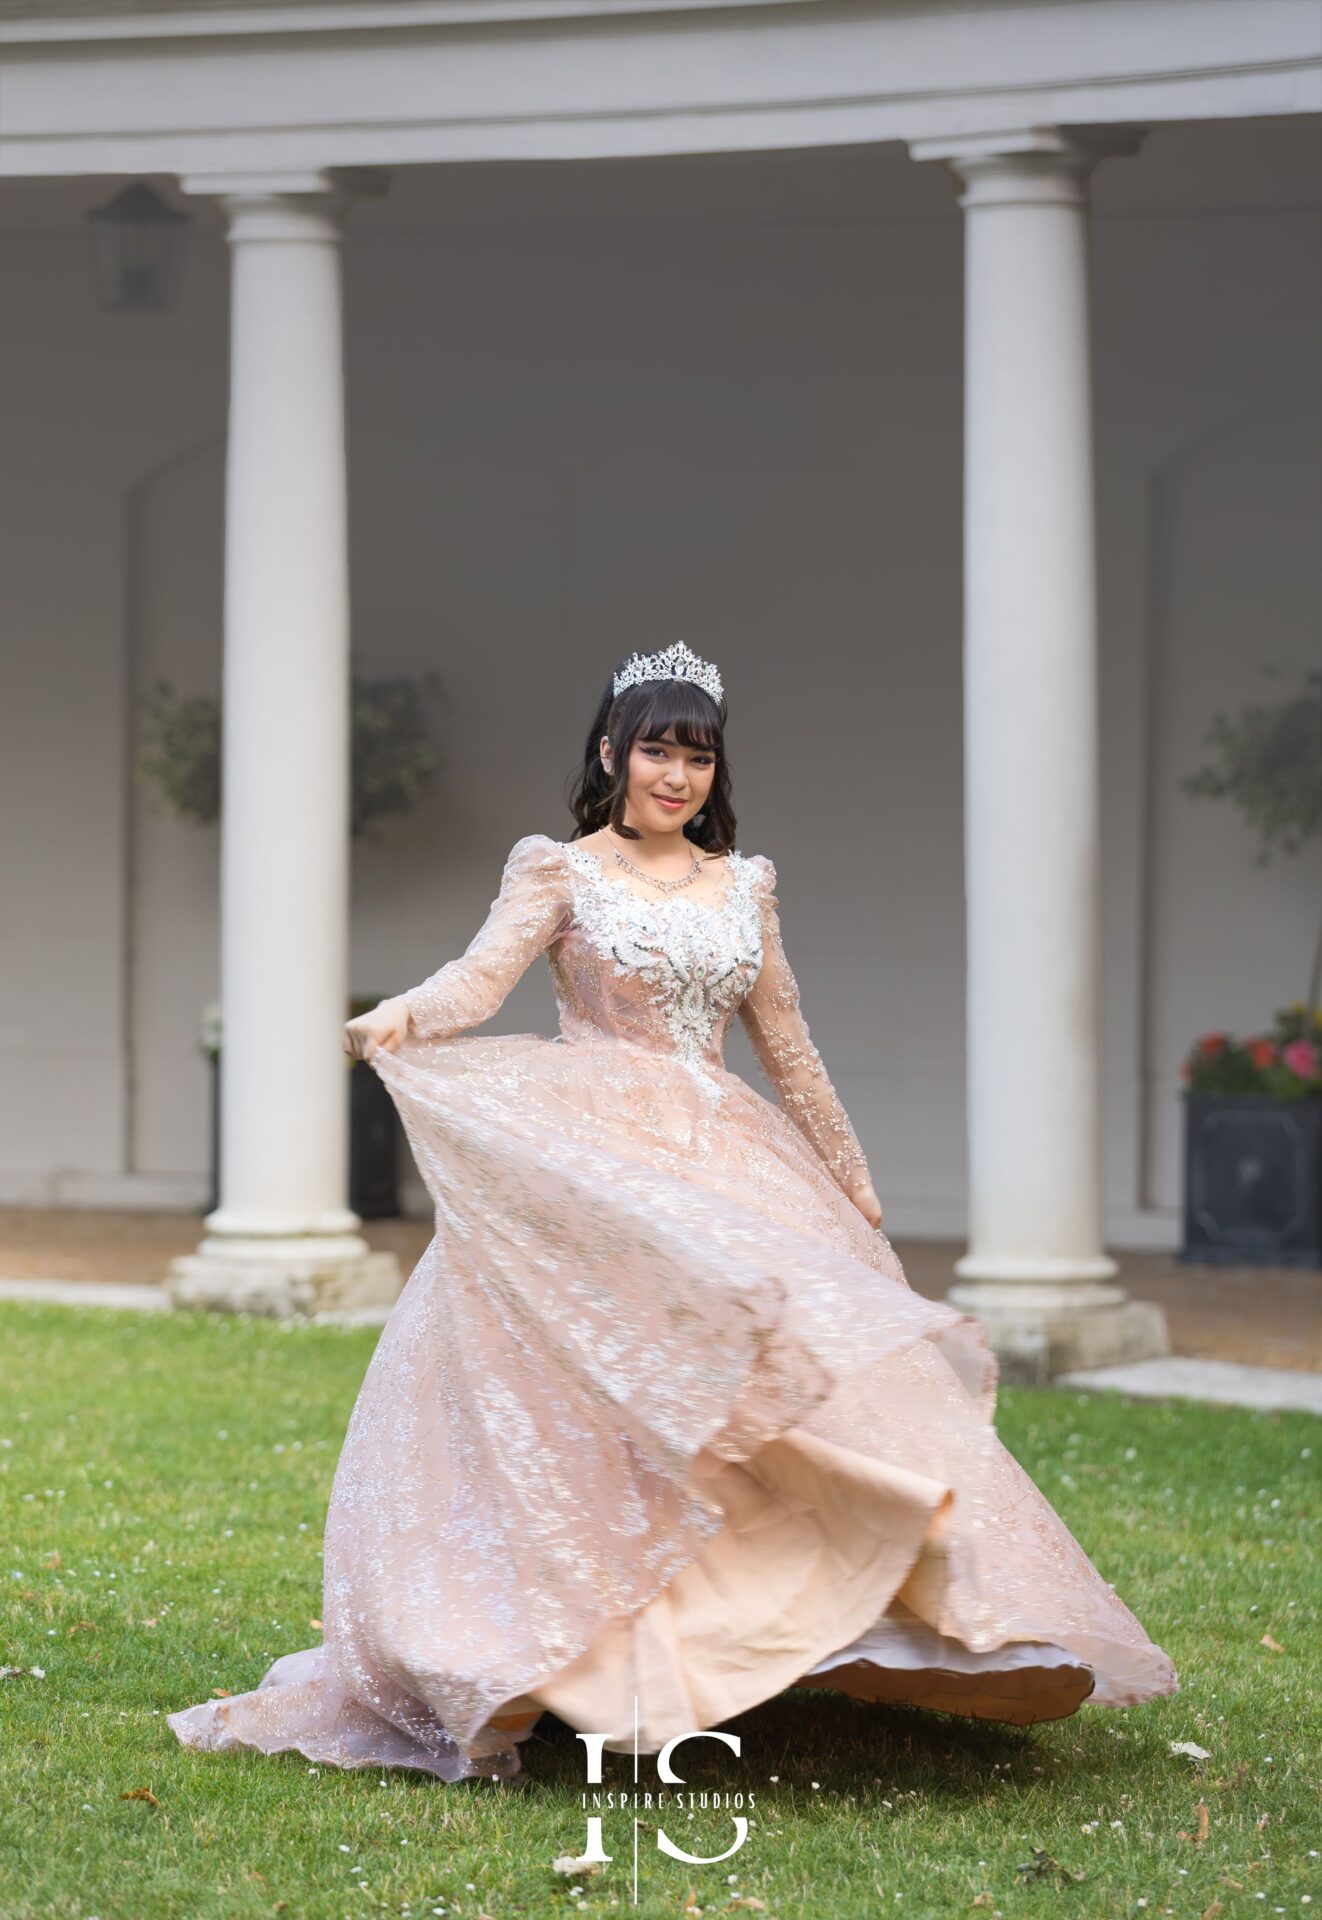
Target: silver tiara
<point>678,662</point>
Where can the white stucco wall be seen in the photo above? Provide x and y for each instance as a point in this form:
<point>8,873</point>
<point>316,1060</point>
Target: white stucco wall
<point>601,407</point>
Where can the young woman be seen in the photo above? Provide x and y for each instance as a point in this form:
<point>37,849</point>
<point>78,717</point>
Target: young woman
<point>657,1427</point>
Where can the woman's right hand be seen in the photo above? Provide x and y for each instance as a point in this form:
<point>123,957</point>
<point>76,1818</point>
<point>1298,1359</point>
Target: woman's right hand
<point>865,1199</point>
<point>385,1026</point>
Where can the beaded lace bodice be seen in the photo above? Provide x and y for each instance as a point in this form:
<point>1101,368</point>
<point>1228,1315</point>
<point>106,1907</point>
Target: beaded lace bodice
<point>666,974</point>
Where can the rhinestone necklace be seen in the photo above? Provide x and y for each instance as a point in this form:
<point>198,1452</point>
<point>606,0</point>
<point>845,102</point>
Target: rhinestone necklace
<point>667,886</point>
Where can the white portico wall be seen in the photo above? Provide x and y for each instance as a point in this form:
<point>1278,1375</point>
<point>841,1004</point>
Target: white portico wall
<point>538,413</point>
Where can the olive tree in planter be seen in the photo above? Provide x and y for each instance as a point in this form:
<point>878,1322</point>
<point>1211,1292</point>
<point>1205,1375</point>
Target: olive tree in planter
<point>1253,1107</point>
<point>394,762</point>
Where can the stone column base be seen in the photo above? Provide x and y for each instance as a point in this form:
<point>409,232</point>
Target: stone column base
<point>284,1279</point>
<point>1035,1339</point>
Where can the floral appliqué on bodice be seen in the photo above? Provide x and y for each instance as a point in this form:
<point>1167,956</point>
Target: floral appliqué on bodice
<point>667,975</point>
<point>695,959</point>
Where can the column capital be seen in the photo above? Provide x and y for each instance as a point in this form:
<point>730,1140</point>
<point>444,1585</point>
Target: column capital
<point>1028,165</point>
<point>288,203</point>
<point>356,182</point>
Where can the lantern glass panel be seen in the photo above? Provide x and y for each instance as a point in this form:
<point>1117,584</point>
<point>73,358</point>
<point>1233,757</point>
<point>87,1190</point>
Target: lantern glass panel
<point>138,244</point>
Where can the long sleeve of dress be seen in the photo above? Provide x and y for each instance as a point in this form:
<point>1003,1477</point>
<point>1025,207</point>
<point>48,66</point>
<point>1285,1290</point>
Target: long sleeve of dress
<point>531,908</point>
<point>773,1019</point>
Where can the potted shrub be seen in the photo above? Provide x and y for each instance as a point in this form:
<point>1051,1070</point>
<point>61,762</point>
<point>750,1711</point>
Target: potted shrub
<point>1253,1145</point>
<point>394,762</point>
<point>1253,1107</point>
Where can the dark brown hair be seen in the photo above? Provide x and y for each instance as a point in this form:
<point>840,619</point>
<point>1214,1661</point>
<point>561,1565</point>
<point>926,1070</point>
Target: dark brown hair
<point>645,712</point>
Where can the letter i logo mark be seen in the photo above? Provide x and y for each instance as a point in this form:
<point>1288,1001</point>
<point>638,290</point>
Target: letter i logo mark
<point>594,1850</point>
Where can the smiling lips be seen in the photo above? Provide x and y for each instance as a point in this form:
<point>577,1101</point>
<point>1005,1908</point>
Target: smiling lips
<point>667,802</point>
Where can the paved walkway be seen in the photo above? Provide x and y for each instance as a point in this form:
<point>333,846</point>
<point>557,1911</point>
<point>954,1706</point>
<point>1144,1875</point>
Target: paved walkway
<point>87,1293</point>
<point>1250,1336</point>
<point>1220,1381</point>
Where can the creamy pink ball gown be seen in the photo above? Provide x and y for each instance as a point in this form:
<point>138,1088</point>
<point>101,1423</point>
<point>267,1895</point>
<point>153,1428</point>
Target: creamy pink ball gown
<point>657,1418</point>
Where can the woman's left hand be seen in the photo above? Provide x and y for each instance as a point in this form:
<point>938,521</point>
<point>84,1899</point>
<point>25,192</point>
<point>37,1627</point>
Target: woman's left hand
<point>867,1203</point>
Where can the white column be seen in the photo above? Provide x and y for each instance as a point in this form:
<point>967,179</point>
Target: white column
<point>1035,1270</point>
<point>283,1239</point>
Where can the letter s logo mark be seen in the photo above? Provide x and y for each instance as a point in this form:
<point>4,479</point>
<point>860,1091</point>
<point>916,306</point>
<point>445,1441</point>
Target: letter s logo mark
<point>664,1843</point>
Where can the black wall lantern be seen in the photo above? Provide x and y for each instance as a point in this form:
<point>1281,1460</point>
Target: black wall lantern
<point>137,250</point>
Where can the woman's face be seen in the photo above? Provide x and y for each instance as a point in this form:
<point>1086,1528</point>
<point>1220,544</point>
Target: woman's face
<point>668,783</point>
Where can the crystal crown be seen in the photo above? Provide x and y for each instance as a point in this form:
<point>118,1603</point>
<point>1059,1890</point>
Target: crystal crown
<point>678,662</point>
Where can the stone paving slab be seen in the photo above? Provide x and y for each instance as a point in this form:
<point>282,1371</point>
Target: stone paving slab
<point>88,1293</point>
<point>1223,1382</point>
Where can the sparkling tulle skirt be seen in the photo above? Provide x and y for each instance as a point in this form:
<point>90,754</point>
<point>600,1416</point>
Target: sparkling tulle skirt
<point>656,1429</point>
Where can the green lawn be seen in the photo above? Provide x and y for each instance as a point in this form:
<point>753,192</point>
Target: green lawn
<point>163,1484</point>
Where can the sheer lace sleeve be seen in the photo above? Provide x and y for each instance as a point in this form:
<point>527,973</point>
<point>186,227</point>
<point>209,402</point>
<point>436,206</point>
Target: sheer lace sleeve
<point>773,1019</point>
<point>532,907</point>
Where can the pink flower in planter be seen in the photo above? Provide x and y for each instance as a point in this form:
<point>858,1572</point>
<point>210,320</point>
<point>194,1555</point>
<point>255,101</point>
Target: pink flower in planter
<point>1302,1057</point>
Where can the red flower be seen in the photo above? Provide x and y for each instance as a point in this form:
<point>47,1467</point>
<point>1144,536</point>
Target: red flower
<point>1303,1058</point>
<point>1212,1044</point>
<point>1262,1053</point>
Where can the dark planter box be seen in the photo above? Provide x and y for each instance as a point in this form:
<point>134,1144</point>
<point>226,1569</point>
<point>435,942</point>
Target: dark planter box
<point>373,1143</point>
<point>373,1133</point>
<point>1252,1180</point>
